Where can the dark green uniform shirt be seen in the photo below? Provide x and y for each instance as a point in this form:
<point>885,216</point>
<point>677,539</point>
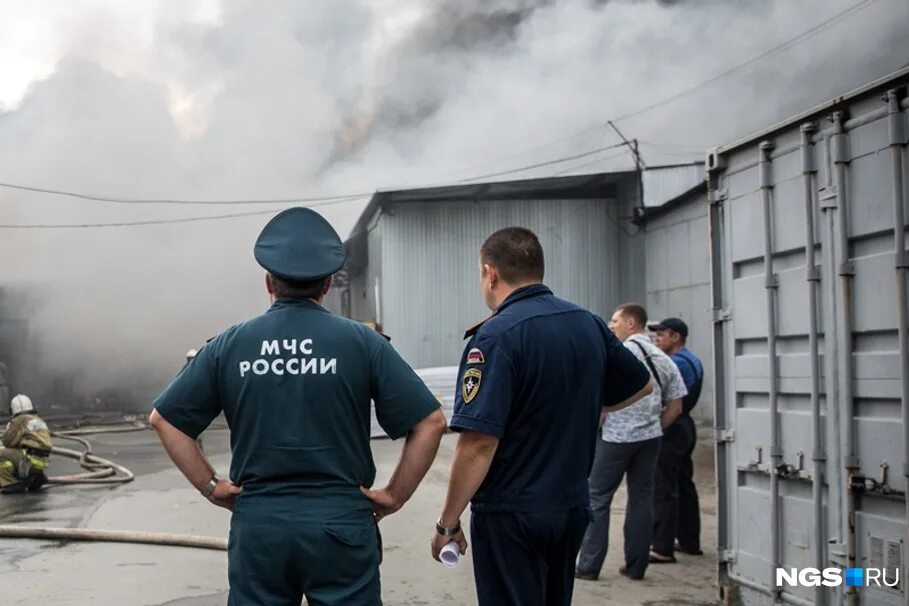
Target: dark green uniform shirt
<point>295,386</point>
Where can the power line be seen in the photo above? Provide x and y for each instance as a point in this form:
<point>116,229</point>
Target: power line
<point>589,164</point>
<point>586,131</point>
<point>313,201</point>
<point>318,201</point>
<point>139,223</point>
<point>632,147</point>
<point>324,200</point>
<point>542,164</point>
<point>143,222</point>
<point>674,146</point>
<point>863,4</point>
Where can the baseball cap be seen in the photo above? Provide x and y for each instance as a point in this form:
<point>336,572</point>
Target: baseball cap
<point>674,324</point>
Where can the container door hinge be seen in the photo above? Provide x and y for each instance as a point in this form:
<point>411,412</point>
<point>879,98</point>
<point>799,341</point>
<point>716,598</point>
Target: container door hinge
<point>847,269</point>
<point>725,435</point>
<point>837,553</point>
<point>828,200</point>
<point>727,556</point>
<point>719,196</point>
<point>721,315</point>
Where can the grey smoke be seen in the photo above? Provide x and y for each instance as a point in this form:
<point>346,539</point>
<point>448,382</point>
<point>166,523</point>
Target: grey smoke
<point>331,98</point>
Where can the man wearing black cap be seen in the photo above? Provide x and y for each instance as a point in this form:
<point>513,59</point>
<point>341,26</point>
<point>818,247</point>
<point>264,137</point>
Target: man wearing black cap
<point>295,385</point>
<point>676,506</point>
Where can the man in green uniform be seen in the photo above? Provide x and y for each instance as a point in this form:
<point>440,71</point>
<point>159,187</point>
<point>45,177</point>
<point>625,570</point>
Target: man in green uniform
<point>26,449</point>
<point>295,386</point>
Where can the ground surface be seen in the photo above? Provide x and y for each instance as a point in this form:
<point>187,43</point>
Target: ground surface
<point>36,573</point>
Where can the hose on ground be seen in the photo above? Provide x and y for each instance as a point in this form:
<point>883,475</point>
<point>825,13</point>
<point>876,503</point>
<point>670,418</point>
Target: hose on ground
<point>98,470</point>
<point>85,431</point>
<point>103,471</point>
<point>113,536</point>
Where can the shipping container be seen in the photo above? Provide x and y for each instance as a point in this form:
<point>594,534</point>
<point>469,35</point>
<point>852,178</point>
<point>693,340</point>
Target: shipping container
<point>810,350</point>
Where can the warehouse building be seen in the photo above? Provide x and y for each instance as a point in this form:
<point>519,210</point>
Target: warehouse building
<point>412,255</point>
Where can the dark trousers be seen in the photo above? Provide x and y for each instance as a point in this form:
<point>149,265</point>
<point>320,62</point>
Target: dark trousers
<point>276,555</point>
<point>526,558</point>
<point>676,448</point>
<point>612,462</point>
<point>688,530</point>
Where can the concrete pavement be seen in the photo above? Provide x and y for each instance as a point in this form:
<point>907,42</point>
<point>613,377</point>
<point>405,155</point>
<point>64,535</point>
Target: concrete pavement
<point>36,573</point>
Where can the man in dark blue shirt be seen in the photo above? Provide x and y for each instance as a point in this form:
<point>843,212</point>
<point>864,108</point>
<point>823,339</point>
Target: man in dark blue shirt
<point>295,385</point>
<point>676,506</point>
<point>534,379</point>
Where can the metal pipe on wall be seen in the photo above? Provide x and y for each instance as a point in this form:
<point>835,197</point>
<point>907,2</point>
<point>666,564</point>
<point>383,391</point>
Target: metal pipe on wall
<point>897,127</point>
<point>834,473</point>
<point>771,283</point>
<point>720,414</point>
<point>846,271</point>
<point>813,277</point>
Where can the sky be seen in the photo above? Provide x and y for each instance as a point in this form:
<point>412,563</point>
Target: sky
<point>242,100</point>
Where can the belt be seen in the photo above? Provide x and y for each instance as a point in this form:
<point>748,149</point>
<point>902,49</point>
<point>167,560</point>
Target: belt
<point>37,452</point>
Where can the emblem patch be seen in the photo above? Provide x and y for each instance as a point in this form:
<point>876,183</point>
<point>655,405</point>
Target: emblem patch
<point>470,384</point>
<point>475,356</point>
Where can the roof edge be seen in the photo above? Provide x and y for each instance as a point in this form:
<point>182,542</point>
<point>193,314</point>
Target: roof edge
<point>873,86</point>
<point>645,214</point>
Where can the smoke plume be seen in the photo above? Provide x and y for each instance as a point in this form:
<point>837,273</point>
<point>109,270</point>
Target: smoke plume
<point>237,100</point>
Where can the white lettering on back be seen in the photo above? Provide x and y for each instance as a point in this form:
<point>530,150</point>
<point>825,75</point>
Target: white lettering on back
<point>260,367</point>
<point>327,365</point>
<point>310,364</point>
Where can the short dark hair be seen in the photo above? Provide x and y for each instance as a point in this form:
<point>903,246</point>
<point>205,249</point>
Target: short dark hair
<point>634,311</point>
<point>291,289</point>
<point>516,253</point>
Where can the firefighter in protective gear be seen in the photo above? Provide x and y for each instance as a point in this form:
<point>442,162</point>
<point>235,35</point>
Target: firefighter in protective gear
<point>26,449</point>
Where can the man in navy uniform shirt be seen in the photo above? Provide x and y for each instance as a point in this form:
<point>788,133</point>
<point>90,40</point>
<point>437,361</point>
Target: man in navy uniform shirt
<point>534,379</point>
<point>295,385</point>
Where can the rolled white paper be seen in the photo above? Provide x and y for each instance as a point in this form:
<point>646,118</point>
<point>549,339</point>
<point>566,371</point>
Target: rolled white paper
<point>450,554</point>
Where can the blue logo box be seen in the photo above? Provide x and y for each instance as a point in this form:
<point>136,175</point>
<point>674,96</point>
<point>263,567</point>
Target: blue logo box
<point>855,577</point>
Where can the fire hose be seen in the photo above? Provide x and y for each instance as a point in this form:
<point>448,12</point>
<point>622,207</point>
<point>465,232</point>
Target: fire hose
<point>113,536</point>
<point>103,471</point>
<point>99,471</point>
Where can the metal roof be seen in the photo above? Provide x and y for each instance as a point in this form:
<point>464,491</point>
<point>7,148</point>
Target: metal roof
<point>598,185</point>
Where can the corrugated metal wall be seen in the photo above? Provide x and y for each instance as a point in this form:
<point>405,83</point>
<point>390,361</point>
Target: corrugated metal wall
<point>677,280</point>
<point>365,275</point>
<point>664,183</point>
<point>796,429</point>
<point>430,280</point>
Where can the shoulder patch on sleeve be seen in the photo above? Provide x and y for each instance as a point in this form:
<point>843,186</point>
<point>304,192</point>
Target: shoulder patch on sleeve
<point>475,356</point>
<point>470,384</point>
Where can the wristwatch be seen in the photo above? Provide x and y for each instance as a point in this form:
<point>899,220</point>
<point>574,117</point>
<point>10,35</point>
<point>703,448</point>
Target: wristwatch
<point>209,488</point>
<point>448,532</point>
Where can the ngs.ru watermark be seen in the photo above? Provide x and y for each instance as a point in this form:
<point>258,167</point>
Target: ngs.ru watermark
<point>834,577</point>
